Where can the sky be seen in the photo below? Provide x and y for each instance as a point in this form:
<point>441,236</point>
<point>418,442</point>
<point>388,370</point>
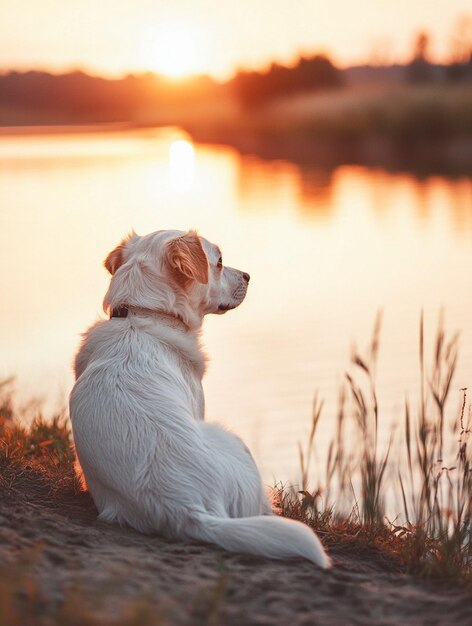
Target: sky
<point>177,37</point>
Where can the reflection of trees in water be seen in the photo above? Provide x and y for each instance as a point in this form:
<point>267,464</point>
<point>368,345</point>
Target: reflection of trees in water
<point>285,185</point>
<point>420,158</point>
<point>459,194</point>
<point>316,189</point>
<point>425,197</point>
<point>435,195</point>
<point>276,185</point>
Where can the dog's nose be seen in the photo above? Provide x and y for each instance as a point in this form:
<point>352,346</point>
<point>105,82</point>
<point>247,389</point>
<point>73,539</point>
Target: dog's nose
<point>246,277</point>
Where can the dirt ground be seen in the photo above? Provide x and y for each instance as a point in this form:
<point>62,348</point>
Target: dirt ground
<point>75,559</point>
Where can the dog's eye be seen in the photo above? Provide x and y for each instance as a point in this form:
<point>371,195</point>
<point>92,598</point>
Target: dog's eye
<point>219,265</point>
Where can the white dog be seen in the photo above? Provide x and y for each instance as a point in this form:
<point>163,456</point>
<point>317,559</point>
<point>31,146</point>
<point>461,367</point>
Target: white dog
<point>137,407</point>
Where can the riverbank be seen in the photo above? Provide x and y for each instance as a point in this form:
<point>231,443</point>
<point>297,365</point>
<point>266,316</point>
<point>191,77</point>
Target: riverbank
<point>424,128</point>
<point>61,566</point>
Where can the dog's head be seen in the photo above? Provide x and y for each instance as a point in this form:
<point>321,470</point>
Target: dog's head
<point>174,272</point>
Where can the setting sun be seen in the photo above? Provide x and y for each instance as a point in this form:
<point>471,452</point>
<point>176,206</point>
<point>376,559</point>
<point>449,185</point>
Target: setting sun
<point>173,50</point>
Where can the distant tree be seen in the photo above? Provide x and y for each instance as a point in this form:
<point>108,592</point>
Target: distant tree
<point>420,69</point>
<point>421,47</point>
<point>254,89</point>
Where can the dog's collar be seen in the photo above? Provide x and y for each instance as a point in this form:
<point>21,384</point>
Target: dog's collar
<point>120,311</point>
<point>172,320</point>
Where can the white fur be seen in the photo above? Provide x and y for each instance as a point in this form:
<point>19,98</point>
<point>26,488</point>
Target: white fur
<point>137,410</point>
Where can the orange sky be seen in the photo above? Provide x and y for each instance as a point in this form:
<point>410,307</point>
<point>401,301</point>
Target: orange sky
<point>113,37</point>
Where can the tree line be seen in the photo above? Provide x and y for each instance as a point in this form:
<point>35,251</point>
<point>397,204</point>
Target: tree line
<point>79,97</point>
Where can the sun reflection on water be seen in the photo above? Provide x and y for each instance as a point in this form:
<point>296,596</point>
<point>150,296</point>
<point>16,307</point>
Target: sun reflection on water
<point>181,165</point>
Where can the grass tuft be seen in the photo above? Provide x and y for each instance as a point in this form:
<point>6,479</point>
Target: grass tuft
<point>430,467</point>
<point>43,450</point>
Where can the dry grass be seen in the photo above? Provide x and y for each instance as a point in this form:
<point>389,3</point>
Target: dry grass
<point>43,450</point>
<point>395,112</point>
<point>430,466</point>
<point>398,112</point>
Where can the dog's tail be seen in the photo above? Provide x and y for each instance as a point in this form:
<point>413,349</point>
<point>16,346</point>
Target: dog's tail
<point>265,535</point>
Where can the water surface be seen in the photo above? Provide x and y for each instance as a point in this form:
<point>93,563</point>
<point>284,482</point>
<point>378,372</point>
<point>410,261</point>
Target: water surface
<point>326,251</point>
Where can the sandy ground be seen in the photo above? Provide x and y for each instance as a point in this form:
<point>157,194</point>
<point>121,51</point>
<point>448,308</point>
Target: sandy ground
<point>60,543</point>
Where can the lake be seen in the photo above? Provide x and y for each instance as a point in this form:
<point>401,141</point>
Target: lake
<point>326,250</point>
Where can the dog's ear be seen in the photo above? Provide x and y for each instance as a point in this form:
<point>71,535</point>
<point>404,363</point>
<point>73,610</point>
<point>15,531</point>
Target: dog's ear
<point>187,259</point>
<point>116,257</point>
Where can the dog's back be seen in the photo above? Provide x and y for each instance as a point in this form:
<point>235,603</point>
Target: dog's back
<point>132,389</point>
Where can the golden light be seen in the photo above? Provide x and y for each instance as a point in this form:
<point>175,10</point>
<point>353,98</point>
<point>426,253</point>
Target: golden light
<point>181,165</point>
<point>173,49</point>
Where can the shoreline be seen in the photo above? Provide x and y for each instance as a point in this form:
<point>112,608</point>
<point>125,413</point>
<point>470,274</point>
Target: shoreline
<point>445,156</point>
<point>451,156</point>
<point>68,565</point>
